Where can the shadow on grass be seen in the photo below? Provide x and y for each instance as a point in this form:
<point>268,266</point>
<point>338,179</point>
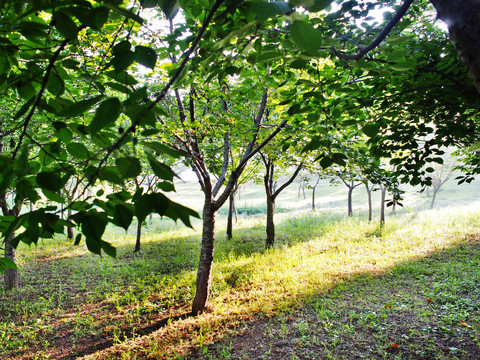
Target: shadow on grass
<point>90,304</point>
<point>426,308</point>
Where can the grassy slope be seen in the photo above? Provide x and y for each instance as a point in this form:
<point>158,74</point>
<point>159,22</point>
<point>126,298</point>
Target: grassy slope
<point>332,286</point>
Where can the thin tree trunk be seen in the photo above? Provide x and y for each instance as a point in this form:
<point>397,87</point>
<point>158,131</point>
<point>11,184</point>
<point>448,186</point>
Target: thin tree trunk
<point>428,192</point>
<point>314,188</point>
<point>350,209</point>
<point>204,273</point>
<point>10,275</point>
<point>270,223</point>
<point>231,207</point>
<point>138,242</point>
<point>313,197</point>
<point>383,191</point>
<point>435,190</point>
<point>69,229</point>
<point>304,195</point>
<point>369,195</point>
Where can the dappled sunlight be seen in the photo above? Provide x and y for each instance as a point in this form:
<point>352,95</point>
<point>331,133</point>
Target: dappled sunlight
<point>137,304</point>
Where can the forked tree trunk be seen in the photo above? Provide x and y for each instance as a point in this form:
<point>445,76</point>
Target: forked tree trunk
<point>206,257</point>
<point>10,275</point>
<point>138,242</point>
<point>270,223</point>
<point>383,191</point>
<point>369,195</point>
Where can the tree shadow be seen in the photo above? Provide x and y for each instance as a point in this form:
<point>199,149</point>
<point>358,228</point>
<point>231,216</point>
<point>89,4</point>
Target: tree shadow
<point>424,308</point>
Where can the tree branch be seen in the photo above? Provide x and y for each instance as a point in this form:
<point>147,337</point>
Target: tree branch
<point>281,188</point>
<point>39,96</point>
<point>383,34</point>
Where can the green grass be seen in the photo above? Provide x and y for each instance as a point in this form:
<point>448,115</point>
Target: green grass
<point>329,284</point>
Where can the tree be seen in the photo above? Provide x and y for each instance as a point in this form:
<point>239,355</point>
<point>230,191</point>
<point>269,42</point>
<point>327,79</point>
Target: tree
<point>272,191</point>
<point>441,174</point>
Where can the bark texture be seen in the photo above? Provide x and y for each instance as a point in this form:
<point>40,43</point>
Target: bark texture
<point>369,196</point>
<point>270,223</point>
<point>350,208</point>
<point>231,210</point>
<point>138,242</point>
<point>204,273</point>
<point>463,20</point>
<point>383,191</point>
<point>10,275</point>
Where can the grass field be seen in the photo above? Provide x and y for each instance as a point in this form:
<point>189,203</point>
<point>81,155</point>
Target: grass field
<point>332,287</point>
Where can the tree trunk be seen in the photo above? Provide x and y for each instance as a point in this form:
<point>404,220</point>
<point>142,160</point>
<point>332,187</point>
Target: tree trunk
<point>10,275</point>
<point>369,195</point>
<point>231,207</point>
<point>463,20</point>
<point>138,242</point>
<point>69,229</point>
<point>204,274</point>
<point>270,223</point>
<point>428,192</point>
<point>313,197</point>
<point>435,190</point>
<point>383,191</point>
<point>350,209</point>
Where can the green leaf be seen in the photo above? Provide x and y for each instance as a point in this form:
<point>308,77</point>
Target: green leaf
<point>78,151</point>
<point>306,37</point>
<point>166,186</point>
<point>312,5</point>
<point>110,174</point>
<point>109,249</point>
<point>65,25</point>
<point>122,216</point>
<point>269,56</point>
<point>176,211</point>
<point>24,108</point>
<point>326,162</point>
<point>128,14</point>
<point>26,190</point>
<point>128,167</point>
<point>169,7</point>
<point>161,170</point>
<point>121,61</point>
<point>144,205</point>
<point>145,56</point>
<point>403,65</point>
<point>55,85</point>
<point>93,245</point>
<point>93,225</point>
<point>53,196</point>
<point>106,114</point>
<point>6,263</point>
<point>266,10</point>
<point>80,107</point>
<point>97,17</point>
<point>370,129</point>
<point>49,181</point>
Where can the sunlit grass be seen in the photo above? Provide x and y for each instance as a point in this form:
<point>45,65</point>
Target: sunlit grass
<point>65,291</point>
